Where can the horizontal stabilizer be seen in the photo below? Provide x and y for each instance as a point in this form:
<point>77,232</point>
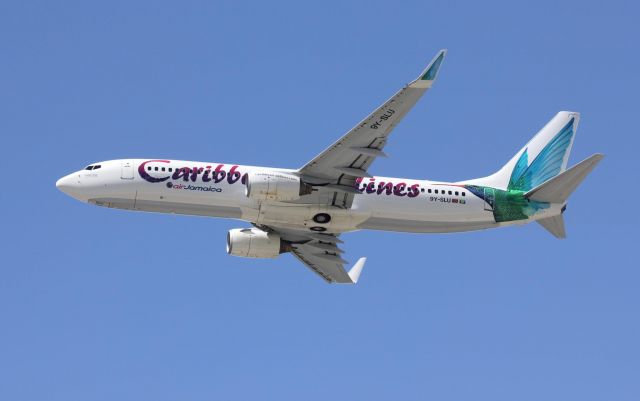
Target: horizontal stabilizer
<point>555,225</point>
<point>558,189</point>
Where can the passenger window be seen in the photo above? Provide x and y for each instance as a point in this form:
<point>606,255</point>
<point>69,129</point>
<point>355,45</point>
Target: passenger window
<point>149,168</point>
<point>456,193</point>
<point>463,194</point>
<point>449,192</point>
<point>436,191</point>
<point>156,169</point>
<point>163,169</point>
<point>429,190</point>
<point>421,189</point>
<point>170,169</point>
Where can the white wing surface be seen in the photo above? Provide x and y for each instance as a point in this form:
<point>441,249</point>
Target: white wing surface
<point>350,157</point>
<point>321,253</point>
<point>336,170</point>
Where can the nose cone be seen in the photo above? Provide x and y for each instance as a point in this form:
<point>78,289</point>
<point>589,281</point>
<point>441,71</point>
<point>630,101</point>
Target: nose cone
<point>70,185</point>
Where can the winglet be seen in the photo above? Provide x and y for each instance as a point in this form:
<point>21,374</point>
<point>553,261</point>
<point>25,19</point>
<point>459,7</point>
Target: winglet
<point>430,73</point>
<point>354,273</point>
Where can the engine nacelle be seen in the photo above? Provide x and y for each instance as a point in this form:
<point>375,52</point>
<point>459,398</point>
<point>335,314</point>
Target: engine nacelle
<point>275,186</point>
<point>253,243</point>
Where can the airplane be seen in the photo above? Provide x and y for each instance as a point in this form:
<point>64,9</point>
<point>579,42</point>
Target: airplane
<point>304,211</point>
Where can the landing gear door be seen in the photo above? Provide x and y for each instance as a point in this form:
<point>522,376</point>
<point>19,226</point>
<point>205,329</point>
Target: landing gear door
<point>126,170</point>
<point>489,199</point>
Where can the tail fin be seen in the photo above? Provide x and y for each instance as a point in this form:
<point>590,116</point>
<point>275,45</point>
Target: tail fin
<point>542,158</point>
<point>559,188</point>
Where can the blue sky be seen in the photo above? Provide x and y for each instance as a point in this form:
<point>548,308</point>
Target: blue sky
<point>100,304</point>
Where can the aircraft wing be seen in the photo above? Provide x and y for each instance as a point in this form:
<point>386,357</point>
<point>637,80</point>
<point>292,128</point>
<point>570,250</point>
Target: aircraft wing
<point>321,254</point>
<point>350,157</point>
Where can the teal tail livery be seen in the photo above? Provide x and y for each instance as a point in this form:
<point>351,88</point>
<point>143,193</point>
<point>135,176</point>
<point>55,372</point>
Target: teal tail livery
<point>542,158</point>
<point>536,178</point>
<point>304,211</point>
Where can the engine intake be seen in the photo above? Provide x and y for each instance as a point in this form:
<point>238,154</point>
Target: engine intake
<point>275,186</point>
<point>254,243</point>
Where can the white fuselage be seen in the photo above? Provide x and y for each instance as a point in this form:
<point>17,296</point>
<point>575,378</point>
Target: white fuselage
<point>217,190</point>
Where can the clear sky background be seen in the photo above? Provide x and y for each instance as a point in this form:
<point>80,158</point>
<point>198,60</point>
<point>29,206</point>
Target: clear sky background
<point>100,304</point>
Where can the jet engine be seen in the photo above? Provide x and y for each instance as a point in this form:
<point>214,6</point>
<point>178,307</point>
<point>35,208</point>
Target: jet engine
<point>275,186</point>
<point>254,243</point>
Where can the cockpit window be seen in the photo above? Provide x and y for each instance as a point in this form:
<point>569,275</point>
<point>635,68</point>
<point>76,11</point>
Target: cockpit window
<point>93,167</point>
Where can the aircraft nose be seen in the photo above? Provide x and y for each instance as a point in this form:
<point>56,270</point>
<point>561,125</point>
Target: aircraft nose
<point>69,184</point>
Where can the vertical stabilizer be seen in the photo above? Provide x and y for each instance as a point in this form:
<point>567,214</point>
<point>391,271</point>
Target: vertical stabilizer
<point>542,158</point>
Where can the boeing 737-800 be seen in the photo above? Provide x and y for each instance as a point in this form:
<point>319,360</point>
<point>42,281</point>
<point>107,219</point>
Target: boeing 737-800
<point>303,211</point>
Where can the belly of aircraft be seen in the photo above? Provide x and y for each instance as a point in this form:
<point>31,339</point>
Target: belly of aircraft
<point>369,212</point>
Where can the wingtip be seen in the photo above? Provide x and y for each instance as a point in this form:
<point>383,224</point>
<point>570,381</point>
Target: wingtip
<point>431,72</point>
<point>356,270</point>
<point>429,75</point>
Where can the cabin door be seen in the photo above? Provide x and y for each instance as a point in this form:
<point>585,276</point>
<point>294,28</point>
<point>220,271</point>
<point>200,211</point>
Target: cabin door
<point>126,170</point>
